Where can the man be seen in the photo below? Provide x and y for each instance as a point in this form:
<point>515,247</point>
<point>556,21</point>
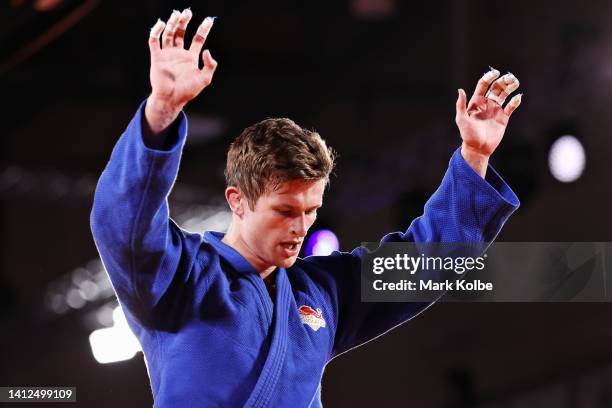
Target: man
<point>212,331</point>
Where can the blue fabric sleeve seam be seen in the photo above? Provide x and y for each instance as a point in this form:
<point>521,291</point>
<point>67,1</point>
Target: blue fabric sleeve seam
<point>176,126</point>
<point>506,206</point>
<point>136,221</point>
<point>482,183</point>
<point>197,260</point>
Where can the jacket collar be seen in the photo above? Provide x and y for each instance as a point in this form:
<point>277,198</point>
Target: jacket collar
<point>238,262</point>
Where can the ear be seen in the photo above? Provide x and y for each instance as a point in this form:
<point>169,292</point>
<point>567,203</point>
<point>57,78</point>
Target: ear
<point>235,200</point>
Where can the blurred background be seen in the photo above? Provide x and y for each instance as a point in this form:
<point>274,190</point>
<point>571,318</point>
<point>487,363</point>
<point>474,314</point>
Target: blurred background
<point>378,80</point>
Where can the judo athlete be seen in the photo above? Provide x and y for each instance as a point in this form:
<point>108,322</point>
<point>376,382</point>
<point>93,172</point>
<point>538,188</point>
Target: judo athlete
<point>237,319</point>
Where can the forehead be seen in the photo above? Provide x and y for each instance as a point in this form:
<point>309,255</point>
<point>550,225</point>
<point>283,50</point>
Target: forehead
<point>296,193</point>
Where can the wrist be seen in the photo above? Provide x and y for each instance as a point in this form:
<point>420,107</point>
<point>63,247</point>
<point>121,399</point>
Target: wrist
<point>160,113</point>
<point>478,161</point>
<point>158,116</point>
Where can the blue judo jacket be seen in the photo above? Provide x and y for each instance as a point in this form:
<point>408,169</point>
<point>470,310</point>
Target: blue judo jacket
<point>210,333</point>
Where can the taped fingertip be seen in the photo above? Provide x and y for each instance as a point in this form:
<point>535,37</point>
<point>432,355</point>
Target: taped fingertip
<point>204,28</point>
<point>174,16</point>
<point>512,87</point>
<point>509,79</point>
<point>491,75</point>
<point>157,28</point>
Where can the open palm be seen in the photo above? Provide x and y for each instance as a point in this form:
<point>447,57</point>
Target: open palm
<point>483,121</point>
<point>175,75</point>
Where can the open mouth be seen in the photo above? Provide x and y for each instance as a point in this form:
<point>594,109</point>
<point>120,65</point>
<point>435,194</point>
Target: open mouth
<point>290,248</point>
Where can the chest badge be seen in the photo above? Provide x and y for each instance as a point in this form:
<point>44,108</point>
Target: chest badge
<point>312,318</point>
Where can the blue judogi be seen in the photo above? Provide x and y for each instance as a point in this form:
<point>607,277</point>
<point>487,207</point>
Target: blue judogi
<point>210,333</point>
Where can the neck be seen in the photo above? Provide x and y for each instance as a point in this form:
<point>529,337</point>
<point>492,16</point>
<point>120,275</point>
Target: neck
<point>233,239</point>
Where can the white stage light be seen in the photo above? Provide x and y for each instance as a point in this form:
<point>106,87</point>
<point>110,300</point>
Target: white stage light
<point>116,343</point>
<point>566,159</point>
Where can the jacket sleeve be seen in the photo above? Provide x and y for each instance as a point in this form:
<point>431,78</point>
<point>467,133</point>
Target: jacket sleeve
<point>148,258</point>
<point>465,208</point>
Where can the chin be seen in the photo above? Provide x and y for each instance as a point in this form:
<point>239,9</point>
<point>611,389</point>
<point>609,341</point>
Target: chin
<point>287,262</point>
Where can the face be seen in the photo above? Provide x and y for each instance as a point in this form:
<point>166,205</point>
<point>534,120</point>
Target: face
<point>273,232</point>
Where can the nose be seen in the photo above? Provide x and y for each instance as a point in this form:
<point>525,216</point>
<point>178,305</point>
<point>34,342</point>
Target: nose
<point>299,226</point>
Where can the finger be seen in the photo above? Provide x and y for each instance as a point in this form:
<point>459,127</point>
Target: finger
<point>461,104</point>
<point>513,104</point>
<point>209,62</point>
<point>484,83</point>
<point>156,31</point>
<point>492,96</point>
<point>210,65</point>
<point>201,34</point>
<point>181,27</point>
<point>169,32</point>
<point>511,84</point>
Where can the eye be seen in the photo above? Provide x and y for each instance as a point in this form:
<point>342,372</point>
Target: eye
<point>285,213</point>
<point>312,212</point>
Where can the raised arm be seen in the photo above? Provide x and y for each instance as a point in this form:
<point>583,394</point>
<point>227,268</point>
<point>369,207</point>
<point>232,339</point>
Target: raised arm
<point>175,76</point>
<point>149,259</point>
<point>482,123</point>
<point>471,205</point>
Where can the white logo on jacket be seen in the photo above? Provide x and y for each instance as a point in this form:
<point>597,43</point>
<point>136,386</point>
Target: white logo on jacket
<point>312,318</point>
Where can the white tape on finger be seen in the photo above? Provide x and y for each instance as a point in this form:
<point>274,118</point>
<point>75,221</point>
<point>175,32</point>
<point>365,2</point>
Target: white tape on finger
<point>495,98</point>
<point>157,29</point>
<point>205,27</point>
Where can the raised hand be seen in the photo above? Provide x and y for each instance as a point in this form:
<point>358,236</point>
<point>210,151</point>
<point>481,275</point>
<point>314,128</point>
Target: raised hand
<point>175,76</point>
<point>483,121</point>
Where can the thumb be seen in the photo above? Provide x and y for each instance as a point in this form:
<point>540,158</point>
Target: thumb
<point>209,62</point>
<point>461,103</point>
<point>210,65</point>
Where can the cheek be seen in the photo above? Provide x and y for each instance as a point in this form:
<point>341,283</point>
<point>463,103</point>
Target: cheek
<point>262,230</point>
<point>311,219</point>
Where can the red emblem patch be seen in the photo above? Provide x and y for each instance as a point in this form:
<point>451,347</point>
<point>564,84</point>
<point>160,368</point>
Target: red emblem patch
<point>312,318</point>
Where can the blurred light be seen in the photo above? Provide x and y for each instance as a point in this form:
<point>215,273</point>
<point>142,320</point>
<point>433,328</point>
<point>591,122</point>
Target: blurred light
<point>203,129</point>
<point>89,290</point>
<point>104,315</point>
<point>95,266</point>
<point>75,299</point>
<point>116,343</point>
<point>79,275</point>
<point>217,220</point>
<point>47,5</point>
<point>373,10</point>
<point>9,177</point>
<point>321,243</point>
<point>118,317</point>
<point>566,159</point>
<point>57,304</point>
<point>59,186</point>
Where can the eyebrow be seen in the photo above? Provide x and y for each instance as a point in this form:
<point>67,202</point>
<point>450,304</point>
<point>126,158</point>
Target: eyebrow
<point>291,207</point>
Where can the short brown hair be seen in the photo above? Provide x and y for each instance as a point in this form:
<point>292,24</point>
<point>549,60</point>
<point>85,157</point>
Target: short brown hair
<point>274,151</point>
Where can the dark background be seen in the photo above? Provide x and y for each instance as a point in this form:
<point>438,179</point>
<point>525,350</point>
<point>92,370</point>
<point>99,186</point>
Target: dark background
<point>380,87</point>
